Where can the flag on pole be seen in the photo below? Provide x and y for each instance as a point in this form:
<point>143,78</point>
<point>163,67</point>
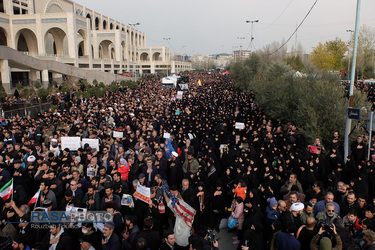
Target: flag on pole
<point>199,82</point>
<point>7,190</point>
<point>35,198</point>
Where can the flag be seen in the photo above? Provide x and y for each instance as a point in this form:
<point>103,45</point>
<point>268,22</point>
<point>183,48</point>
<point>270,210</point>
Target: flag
<point>185,211</point>
<point>35,198</point>
<point>7,190</point>
<point>199,82</point>
<point>181,208</point>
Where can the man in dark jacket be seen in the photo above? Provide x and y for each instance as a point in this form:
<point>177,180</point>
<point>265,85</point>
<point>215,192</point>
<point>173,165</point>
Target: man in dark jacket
<point>110,240</point>
<point>187,193</point>
<point>130,233</point>
<point>58,238</point>
<point>152,237</point>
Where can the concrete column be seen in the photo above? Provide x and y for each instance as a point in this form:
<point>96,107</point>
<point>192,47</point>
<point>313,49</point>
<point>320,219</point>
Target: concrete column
<point>45,78</point>
<point>118,45</point>
<point>5,76</point>
<point>72,37</point>
<point>39,33</point>
<point>34,77</point>
<point>88,43</point>
<point>57,77</point>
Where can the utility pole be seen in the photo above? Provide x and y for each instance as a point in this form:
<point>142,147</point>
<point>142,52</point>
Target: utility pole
<point>348,126</point>
<point>350,42</point>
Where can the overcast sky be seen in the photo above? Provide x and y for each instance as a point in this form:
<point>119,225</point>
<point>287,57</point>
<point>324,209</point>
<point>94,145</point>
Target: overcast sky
<point>213,26</point>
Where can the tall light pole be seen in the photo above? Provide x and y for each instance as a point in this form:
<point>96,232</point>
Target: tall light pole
<point>252,30</point>
<point>167,39</point>
<point>136,48</point>
<point>240,38</point>
<point>348,125</point>
<point>350,41</point>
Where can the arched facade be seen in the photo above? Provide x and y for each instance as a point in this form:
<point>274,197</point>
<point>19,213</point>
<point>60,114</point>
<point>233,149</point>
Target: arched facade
<point>144,57</point>
<point>56,42</point>
<point>64,31</point>
<point>3,37</point>
<point>156,56</point>
<point>26,41</point>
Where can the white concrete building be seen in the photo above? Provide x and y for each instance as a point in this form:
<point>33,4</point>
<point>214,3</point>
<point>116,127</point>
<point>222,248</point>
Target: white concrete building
<point>69,33</point>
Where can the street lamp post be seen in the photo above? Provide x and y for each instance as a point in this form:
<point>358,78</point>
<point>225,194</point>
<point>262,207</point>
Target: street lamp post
<point>240,38</point>
<point>350,41</point>
<point>348,125</point>
<point>136,48</point>
<point>167,39</point>
<point>252,30</point>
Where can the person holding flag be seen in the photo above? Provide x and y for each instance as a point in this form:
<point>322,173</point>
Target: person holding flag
<point>184,215</point>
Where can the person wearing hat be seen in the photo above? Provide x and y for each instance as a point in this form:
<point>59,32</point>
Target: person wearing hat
<point>320,242</point>
<point>175,170</point>
<point>130,232</point>
<point>110,240</point>
<point>297,210</point>
<point>19,242</point>
<point>271,210</point>
<point>54,147</point>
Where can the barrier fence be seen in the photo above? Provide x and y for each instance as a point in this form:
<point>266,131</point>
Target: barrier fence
<point>8,110</point>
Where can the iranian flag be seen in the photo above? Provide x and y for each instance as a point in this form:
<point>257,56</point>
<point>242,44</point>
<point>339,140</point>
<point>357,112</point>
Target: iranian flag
<point>35,198</point>
<point>7,190</point>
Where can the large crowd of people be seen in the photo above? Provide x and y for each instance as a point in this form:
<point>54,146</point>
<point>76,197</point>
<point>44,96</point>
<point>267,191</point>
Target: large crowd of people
<point>209,159</point>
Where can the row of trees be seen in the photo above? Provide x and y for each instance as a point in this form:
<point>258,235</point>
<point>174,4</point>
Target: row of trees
<point>330,55</point>
<point>315,102</point>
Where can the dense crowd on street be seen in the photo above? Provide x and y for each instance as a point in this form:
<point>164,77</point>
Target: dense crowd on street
<point>280,191</point>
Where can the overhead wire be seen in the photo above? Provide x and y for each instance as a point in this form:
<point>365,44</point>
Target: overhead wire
<point>279,15</point>
<point>303,20</point>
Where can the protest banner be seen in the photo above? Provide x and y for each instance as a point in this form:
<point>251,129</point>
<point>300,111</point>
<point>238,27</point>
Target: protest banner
<point>142,193</point>
<point>118,134</point>
<point>166,135</point>
<point>73,143</point>
<point>179,95</point>
<point>93,143</point>
<point>240,125</point>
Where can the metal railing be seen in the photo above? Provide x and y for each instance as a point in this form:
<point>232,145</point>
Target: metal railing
<point>8,110</point>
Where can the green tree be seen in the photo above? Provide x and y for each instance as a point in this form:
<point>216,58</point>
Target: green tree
<point>365,52</point>
<point>316,102</point>
<point>321,58</point>
<point>295,62</point>
<point>247,71</point>
<point>329,56</point>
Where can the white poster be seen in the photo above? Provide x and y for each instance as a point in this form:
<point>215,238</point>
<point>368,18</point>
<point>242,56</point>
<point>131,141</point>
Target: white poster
<point>240,125</point>
<point>118,134</point>
<point>142,193</point>
<point>166,135</point>
<point>73,143</point>
<point>179,94</point>
<point>93,143</point>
